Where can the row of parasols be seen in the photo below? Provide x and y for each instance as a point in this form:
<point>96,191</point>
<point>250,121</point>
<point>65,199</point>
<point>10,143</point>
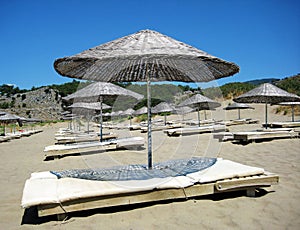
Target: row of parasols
<point>151,56</point>
<point>266,93</point>
<point>7,118</point>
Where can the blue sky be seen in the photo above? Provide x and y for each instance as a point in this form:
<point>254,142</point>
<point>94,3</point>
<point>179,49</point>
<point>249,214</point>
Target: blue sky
<point>261,36</point>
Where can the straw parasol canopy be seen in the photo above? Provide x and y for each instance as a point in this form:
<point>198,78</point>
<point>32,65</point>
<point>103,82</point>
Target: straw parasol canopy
<point>163,107</point>
<point>128,112</point>
<point>184,109</point>
<point>127,58</point>
<point>201,103</point>
<point>238,106</point>
<point>98,90</point>
<point>141,111</point>
<point>89,106</point>
<point>102,89</point>
<point>145,56</point>
<point>9,118</point>
<point>292,104</point>
<point>267,94</point>
<point>6,118</point>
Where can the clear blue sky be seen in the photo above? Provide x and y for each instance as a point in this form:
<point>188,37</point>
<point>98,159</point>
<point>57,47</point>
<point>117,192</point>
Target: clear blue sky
<point>261,36</point>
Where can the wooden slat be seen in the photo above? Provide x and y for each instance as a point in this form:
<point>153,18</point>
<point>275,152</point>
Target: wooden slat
<point>246,183</point>
<point>263,135</point>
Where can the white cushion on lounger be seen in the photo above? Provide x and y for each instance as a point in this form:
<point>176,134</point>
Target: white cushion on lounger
<point>43,188</point>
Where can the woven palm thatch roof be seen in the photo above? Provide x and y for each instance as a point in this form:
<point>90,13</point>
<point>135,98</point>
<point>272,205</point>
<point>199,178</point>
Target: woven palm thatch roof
<point>163,107</point>
<point>129,59</point>
<point>184,109</point>
<point>9,118</point>
<point>201,102</point>
<point>102,89</point>
<point>141,111</point>
<point>267,93</point>
<point>128,112</point>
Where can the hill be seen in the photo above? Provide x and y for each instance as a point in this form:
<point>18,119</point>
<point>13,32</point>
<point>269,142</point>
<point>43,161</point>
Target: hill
<point>261,81</point>
<point>46,102</point>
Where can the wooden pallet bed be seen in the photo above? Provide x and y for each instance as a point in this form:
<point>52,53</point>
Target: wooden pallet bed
<point>83,138</point>
<point>56,151</point>
<point>66,195</point>
<point>263,135</point>
<point>195,130</point>
<point>249,184</point>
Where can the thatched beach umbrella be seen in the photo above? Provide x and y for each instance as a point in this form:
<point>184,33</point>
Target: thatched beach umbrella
<point>238,106</point>
<point>163,107</point>
<point>9,118</point>
<point>182,110</point>
<point>267,94</point>
<point>292,104</point>
<point>145,56</point>
<point>201,103</point>
<point>89,106</point>
<point>141,111</point>
<point>98,90</point>
<point>128,112</point>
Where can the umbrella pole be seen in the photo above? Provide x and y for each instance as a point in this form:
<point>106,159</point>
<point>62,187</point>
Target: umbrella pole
<point>293,118</point>
<point>205,117</point>
<point>101,139</point>
<point>266,115</point>
<point>149,122</point>
<point>198,117</point>
<point>239,112</point>
<point>165,119</point>
<point>88,122</point>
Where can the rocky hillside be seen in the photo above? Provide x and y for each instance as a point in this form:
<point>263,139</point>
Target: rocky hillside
<point>43,103</point>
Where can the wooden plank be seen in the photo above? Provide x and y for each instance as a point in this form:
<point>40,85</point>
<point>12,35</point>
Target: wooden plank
<point>254,181</point>
<point>125,199</point>
<point>249,136</point>
<point>223,136</point>
<point>65,152</point>
<point>246,183</point>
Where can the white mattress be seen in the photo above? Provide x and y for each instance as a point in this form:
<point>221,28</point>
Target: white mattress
<point>45,188</point>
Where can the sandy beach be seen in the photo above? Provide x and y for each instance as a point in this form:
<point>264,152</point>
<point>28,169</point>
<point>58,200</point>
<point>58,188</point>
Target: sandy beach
<point>277,207</point>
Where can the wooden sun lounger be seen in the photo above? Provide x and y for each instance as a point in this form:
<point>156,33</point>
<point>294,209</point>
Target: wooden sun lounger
<point>263,135</point>
<point>56,151</point>
<point>238,122</point>
<point>160,127</point>
<point>202,122</point>
<point>195,130</point>
<point>283,124</point>
<point>82,138</point>
<point>223,136</point>
<point>248,184</point>
<point>5,138</point>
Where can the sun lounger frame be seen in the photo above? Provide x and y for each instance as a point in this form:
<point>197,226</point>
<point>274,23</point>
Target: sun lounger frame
<point>77,139</point>
<point>195,130</point>
<point>287,124</point>
<point>246,137</point>
<point>95,146</point>
<point>249,184</point>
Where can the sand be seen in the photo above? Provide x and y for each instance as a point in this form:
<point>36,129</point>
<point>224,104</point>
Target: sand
<point>277,207</point>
